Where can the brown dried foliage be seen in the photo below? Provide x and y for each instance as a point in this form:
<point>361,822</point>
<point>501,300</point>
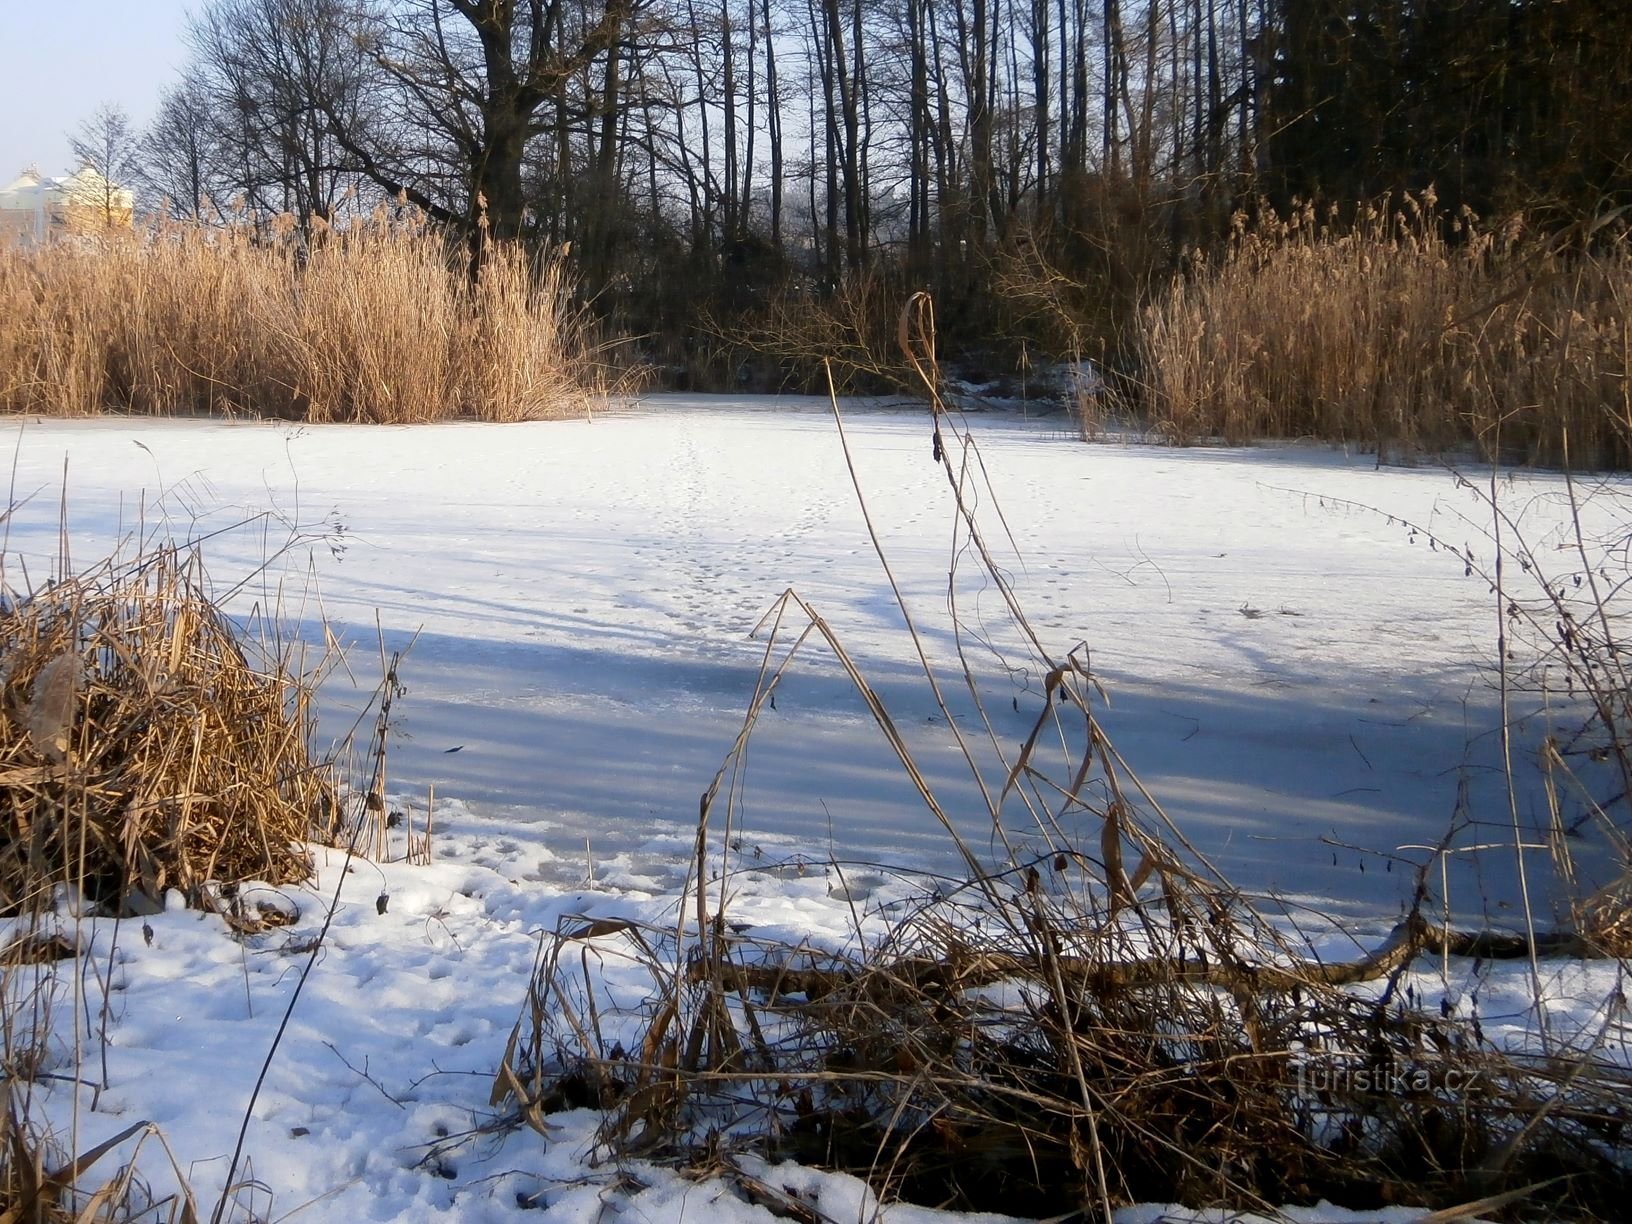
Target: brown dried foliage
<point>1400,329</point>
<point>142,747</point>
<point>380,322</point>
<point>39,1184</point>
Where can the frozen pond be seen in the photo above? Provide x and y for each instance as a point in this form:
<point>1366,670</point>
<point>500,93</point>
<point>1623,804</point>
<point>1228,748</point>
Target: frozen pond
<point>1290,676</point>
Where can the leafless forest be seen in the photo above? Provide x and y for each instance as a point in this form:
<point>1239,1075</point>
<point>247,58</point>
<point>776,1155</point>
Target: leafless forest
<point>733,173</point>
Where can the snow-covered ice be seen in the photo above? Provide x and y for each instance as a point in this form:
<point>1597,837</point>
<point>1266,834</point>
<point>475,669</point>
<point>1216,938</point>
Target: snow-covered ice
<point>1299,680</point>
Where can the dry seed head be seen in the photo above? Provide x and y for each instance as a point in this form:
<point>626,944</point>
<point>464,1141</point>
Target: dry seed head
<point>50,714</point>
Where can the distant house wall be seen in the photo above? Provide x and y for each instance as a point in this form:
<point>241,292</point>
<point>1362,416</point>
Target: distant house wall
<point>34,209</point>
<point>22,210</point>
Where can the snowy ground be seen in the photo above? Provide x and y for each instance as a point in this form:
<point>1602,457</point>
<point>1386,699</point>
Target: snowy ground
<point>1299,682</point>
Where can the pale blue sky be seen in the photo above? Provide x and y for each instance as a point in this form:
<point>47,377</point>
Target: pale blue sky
<point>60,59</point>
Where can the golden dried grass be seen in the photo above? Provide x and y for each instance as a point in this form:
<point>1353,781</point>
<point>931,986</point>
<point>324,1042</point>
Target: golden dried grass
<point>380,322</point>
<point>141,746</point>
<point>1399,331</point>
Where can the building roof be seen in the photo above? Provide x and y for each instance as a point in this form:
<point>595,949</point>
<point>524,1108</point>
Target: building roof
<point>30,189</point>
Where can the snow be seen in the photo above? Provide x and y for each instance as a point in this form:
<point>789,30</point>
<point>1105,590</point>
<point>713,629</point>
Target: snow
<point>1301,682</point>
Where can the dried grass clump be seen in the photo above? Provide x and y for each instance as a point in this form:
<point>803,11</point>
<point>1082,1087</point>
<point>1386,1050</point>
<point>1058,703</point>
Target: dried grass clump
<point>382,321</point>
<point>524,352</point>
<point>1400,330</point>
<point>1607,918</point>
<point>141,748</point>
<point>28,1190</point>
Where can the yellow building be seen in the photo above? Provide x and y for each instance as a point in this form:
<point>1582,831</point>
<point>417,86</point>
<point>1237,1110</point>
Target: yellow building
<point>35,209</point>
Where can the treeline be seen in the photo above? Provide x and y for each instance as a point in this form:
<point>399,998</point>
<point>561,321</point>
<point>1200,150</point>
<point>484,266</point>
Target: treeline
<point>732,173</point>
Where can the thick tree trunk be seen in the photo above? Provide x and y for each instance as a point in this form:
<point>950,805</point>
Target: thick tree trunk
<point>498,198</point>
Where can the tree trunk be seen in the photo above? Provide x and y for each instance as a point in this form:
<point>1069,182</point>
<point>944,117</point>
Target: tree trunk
<point>774,98</point>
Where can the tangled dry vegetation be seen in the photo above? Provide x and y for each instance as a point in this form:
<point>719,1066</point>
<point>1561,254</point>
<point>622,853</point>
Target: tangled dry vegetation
<point>1083,1025</point>
<point>379,322</point>
<point>39,1183</point>
<point>1401,330</point>
<point>145,745</point>
<point>847,336</point>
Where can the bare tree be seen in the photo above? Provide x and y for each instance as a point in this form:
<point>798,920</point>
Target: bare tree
<point>182,152</point>
<point>108,144</point>
<point>282,76</point>
<point>489,76</point>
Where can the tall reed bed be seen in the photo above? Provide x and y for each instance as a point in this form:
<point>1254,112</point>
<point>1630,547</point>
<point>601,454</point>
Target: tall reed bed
<point>1399,329</point>
<point>381,322</point>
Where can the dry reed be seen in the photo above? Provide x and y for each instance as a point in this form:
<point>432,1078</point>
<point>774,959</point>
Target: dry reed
<point>141,746</point>
<point>379,322</point>
<point>1398,330</point>
<point>41,1184</point>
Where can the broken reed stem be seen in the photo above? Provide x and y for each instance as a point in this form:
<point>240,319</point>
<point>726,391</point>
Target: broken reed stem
<point>917,642</point>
